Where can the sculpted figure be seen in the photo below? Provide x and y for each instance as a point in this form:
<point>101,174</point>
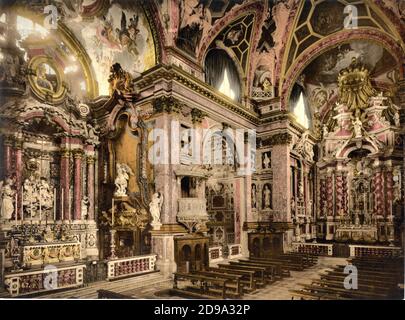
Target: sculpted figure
<point>357,125</point>
<point>7,193</point>
<point>155,207</point>
<point>121,181</point>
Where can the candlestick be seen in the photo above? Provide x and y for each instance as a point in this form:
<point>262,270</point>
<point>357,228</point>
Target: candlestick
<point>112,212</point>
<point>22,206</point>
<point>62,211</point>
<point>31,209</point>
<point>16,211</point>
<point>40,206</point>
<point>54,204</point>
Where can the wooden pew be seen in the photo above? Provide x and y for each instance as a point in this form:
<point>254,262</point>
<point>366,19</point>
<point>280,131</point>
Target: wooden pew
<point>286,262</point>
<point>276,268</point>
<point>269,271</point>
<point>342,292</point>
<point>282,270</point>
<point>231,277</point>
<point>248,276</point>
<point>258,271</point>
<point>208,285</point>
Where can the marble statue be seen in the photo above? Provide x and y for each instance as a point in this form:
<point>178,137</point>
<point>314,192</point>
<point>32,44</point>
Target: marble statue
<point>397,119</point>
<point>357,125</point>
<point>267,197</point>
<point>7,193</point>
<point>121,181</point>
<point>325,131</point>
<point>254,198</point>
<point>266,161</point>
<point>155,207</point>
<point>85,207</point>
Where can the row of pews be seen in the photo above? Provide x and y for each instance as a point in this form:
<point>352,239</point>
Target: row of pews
<point>378,278</point>
<point>231,280</point>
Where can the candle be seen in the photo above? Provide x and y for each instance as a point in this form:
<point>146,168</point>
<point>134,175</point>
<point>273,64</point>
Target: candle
<point>16,211</point>
<point>112,213</point>
<point>54,204</point>
<point>62,205</point>
<point>40,206</point>
<point>31,209</point>
<point>22,208</point>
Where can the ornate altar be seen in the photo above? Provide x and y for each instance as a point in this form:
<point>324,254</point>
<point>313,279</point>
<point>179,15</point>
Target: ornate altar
<point>356,189</point>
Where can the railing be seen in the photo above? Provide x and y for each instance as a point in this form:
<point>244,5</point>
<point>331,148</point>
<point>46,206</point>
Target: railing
<point>48,253</point>
<point>131,266</point>
<point>320,249</point>
<point>374,251</point>
<point>215,253</point>
<point>235,251</point>
<point>49,279</point>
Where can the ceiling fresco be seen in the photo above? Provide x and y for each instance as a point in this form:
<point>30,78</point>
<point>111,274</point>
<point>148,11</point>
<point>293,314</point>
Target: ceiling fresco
<point>120,35</point>
<point>326,67</point>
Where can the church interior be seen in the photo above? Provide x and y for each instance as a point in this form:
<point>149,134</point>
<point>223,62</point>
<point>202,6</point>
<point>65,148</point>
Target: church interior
<point>202,149</point>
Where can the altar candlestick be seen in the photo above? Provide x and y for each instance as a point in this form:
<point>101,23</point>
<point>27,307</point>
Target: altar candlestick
<point>22,206</point>
<point>40,206</point>
<point>31,209</point>
<point>16,212</point>
<point>54,204</point>
<point>112,213</point>
<point>62,216</point>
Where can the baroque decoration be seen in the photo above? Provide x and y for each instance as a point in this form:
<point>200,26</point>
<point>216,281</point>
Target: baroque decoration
<point>169,135</point>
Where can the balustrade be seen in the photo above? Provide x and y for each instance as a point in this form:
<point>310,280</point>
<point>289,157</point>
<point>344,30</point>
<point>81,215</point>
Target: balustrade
<point>235,250</point>
<point>118,268</point>
<point>48,279</point>
<point>215,253</point>
<point>374,251</point>
<point>319,249</point>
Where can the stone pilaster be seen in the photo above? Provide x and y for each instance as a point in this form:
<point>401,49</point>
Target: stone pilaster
<point>90,185</point>
<point>64,184</point>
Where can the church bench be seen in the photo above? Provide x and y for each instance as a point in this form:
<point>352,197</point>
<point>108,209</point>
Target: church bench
<point>344,293</point>
<point>368,276</point>
<point>259,272</point>
<point>278,270</point>
<point>268,269</point>
<point>309,295</point>
<point>309,259</point>
<point>361,286</point>
<point>288,263</point>
<point>236,279</point>
<point>361,280</point>
<point>207,284</point>
<point>374,271</point>
<point>248,276</point>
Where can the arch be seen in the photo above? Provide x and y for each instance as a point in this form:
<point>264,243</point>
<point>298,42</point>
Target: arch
<point>329,42</point>
<point>186,253</point>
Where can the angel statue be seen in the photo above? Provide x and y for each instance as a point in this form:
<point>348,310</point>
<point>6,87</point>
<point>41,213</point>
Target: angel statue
<point>155,207</point>
<point>121,181</point>
<point>6,205</point>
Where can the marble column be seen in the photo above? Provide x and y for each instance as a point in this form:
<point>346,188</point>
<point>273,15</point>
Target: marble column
<point>64,184</point>
<point>90,186</point>
<point>7,156</point>
<point>78,155</point>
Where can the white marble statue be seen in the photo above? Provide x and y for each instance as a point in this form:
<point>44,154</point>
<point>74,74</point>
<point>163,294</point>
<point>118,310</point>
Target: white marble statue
<point>357,125</point>
<point>397,119</point>
<point>121,180</point>
<point>45,194</point>
<point>155,207</point>
<point>267,197</point>
<point>266,161</point>
<point>254,200</point>
<point>7,194</point>
<point>85,207</point>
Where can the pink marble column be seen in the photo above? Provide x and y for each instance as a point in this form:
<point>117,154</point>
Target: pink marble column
<point>90,186</point>
<point>237,204</point>
<point>7,157</point>
<point>78,155</point>
<point>64,185</point>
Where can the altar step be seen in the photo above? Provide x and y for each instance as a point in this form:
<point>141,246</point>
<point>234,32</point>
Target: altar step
<point>117,286</point>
